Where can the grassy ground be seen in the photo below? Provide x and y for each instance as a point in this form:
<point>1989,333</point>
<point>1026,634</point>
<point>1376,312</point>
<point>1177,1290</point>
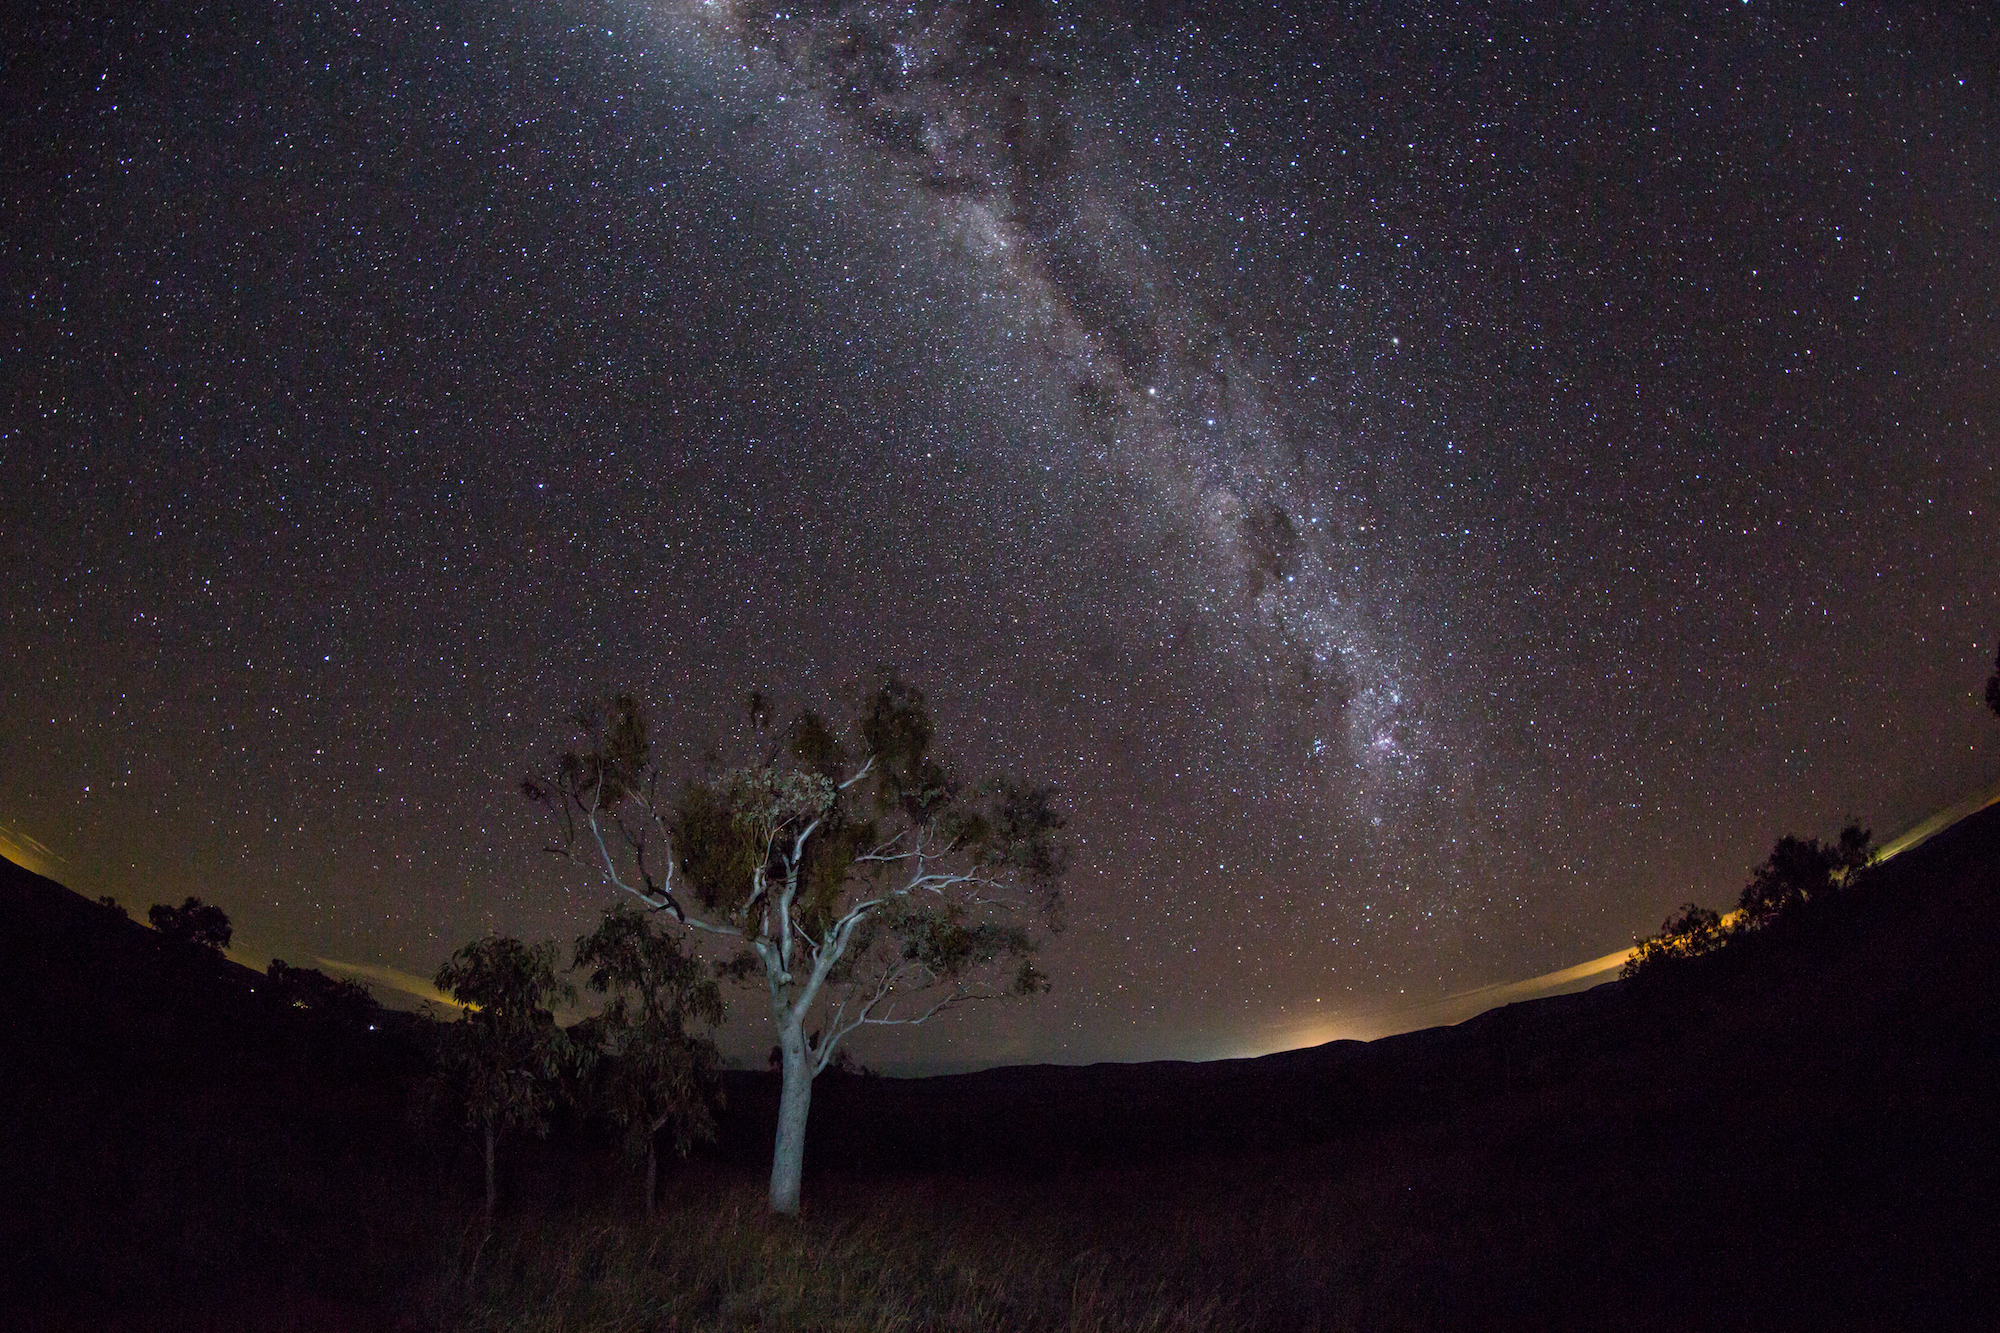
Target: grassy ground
<point>1106,1250</point>
<point>1444,1228</point>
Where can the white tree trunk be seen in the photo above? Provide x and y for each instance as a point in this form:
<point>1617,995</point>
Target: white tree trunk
<point>788,1157</point>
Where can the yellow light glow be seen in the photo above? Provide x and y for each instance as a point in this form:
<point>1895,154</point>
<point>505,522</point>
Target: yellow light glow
<point>1386,1021</point>
<point>395,979</point>
<point>28,853</point>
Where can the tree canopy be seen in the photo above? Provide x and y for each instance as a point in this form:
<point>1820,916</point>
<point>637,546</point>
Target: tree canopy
<point>1798,873</point>
<point>659,1076</point>
<point>854,870</point>
<point>1691,931</point>
<point>194,922</point>
<point>500,1066</point>
<point>1799,870</point>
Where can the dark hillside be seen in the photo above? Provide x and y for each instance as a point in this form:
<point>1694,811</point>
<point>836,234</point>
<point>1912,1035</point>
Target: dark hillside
<point>1800,1131</point>
<point>174,1130</point>
<point>1881,999</point>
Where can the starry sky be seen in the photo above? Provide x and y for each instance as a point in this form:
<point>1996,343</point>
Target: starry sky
<point>1434,485</point>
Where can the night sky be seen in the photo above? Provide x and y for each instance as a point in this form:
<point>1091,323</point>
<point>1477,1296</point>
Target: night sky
<point>1434,485</point>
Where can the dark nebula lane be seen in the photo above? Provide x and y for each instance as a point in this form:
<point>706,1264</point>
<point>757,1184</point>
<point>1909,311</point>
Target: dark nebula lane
<point>1014,125</point>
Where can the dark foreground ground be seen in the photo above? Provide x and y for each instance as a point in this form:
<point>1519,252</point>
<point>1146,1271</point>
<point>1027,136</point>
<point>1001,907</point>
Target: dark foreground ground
<point>1797,1133</point>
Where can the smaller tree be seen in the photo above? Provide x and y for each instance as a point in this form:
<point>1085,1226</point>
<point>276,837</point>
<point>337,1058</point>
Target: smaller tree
<point>116,908</point>
<point>194,922</point>
<point>500,1066</point>
<point>659,1078</point>
<point>1801,870</point>
<point>1689,933</point>
<point>1993,687</point>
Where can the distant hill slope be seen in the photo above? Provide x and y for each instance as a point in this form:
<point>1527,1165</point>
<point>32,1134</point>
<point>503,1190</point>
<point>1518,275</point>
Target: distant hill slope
<point>170,1123</point>
<point>1894,982</point>
<point>1881,999</point>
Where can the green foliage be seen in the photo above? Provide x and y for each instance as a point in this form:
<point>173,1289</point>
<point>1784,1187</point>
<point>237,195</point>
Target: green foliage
<point>718,854</point>
<point>659,1076</point>
<point>739,967</point>
<point>727,832</point>
<point>193,922</point>
<point>501,1065</point>
<point>1020,833</point>
<point>790,825</point>
<point>947,944</point>
<point>896,727</point>
<point>829,870</point>
<point>816,747</point>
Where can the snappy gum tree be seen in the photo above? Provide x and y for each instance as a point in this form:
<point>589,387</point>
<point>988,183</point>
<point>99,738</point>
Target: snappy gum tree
<point>867,889</point>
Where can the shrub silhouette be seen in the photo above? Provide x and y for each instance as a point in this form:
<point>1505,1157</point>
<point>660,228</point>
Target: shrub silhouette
<point>312,990</point>
<point>1689,933</point>
<point>194,922</point>
<point>1799,871</point>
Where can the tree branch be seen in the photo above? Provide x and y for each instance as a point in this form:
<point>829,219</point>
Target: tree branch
<point>957,997</point>
<point>665,899</point>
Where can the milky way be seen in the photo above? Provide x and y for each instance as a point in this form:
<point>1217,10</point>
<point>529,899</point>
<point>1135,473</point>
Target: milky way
<point>1006,118</point>
<point>1434,485</point>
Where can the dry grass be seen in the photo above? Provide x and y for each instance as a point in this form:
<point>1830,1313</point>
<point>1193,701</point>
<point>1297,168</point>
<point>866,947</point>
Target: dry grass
<point>1100,1252</point>
<point>1362,1235</point>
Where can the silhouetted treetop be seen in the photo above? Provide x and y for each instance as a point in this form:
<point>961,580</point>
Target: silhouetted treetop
<point>1689,933</point>
<point>1799,870</point>
<point>324,996</point>
<point>194,922</point>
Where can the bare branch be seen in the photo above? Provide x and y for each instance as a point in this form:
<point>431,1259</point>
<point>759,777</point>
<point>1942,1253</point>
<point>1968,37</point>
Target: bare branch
<point>956,998</point>
<point>884,987</point>
<point>661,900</point>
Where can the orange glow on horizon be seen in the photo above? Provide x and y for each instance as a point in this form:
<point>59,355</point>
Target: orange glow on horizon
<point>28,853</point>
